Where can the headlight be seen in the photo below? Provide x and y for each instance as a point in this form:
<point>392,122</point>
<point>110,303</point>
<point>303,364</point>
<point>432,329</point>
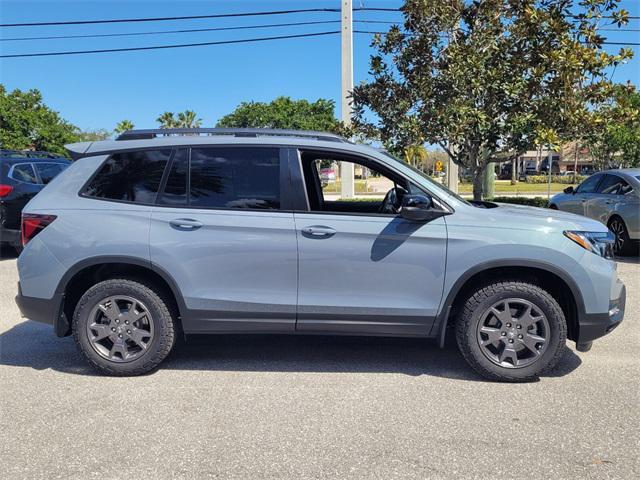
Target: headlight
<point>600,243</point>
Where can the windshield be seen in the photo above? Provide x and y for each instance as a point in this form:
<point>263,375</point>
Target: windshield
<point>437,185</point>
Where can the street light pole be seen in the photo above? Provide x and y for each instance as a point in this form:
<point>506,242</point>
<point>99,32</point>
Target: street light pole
<point>347,189</point>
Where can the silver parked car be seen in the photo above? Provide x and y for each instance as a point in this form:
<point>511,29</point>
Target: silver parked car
<point>164,233</point>
<point>611,197</point>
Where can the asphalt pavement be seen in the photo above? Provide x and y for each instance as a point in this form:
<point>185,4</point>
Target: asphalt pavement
<point>314,407</point>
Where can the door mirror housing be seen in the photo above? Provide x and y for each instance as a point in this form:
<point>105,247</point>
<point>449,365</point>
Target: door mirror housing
<point>419,208</point>
<point>569,190</point>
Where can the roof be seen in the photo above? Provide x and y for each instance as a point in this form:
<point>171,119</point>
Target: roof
<point>136,139</point>
<point>31,155</point>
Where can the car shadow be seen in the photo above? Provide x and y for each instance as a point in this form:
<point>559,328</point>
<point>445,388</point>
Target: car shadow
<point>30,344</point>
<point>630,260</point>
<point>8,253</point>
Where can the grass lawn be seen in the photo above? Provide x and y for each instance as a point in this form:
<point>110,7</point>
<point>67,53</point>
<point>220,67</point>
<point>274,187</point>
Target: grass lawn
<point>505,187</point>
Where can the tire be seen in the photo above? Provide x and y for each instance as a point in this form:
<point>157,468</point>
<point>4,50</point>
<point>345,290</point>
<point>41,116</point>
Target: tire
<point>111,340</point>
<point>496,359</point>
<point>624,245</point>
<point>553,207</point>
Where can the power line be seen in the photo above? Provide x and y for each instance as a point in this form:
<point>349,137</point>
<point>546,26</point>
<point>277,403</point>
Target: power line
<point>163,47</point>
<point>193,17</point>
<point>162,32</point>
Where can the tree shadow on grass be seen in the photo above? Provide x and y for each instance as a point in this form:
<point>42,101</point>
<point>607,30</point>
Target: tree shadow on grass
<point>34,345</point>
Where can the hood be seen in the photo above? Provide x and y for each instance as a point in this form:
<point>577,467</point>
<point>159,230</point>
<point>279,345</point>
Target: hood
<point>522,216</point>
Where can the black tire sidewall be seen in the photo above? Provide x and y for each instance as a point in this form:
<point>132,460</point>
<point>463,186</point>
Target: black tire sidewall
<point>160,344</point>
<point>543,301</point>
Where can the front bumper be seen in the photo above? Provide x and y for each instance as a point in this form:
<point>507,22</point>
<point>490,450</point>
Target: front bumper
<point>595,325</point>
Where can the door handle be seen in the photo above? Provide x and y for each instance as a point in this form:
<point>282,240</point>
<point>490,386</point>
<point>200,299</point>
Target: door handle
<point>185,224</point>
<point>318,231</point>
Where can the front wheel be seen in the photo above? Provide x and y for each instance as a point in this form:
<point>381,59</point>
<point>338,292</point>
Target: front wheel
<point>511,331</point>
<point>123,327</point>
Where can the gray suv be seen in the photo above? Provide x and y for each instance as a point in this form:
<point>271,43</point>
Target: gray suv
<point>167,233</point>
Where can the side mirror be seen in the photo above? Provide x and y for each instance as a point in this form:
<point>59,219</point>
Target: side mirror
<point>417,208</point>
<point>569,190</point>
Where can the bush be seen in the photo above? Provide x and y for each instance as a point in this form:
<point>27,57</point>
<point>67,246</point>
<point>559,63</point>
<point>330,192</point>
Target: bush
<point>532,202</point>
<point>564,179</point>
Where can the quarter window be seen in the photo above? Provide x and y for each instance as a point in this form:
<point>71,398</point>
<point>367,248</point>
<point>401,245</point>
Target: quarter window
<point>23,172</point>
<point>235,178</point>
<point>130,177</point>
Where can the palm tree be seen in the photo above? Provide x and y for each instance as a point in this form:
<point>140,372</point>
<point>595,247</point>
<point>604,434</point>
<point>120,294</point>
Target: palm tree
<point>123,126</point>
<point>188,119</point>
<point>416,155</point>
<point>167,120</point>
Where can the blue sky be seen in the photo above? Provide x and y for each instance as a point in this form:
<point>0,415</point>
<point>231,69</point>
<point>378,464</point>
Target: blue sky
<point>97,91</point>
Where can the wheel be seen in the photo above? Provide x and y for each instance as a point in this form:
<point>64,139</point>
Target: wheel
<point>511,331</point>
<point>623,245</point>
<point>123,327</point>
<point>553,207</point>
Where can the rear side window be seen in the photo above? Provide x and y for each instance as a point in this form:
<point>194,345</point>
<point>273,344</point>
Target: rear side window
<point>23,172</point>
<point>225,178</point>
<point>130,177</point>
<point>48,171</point>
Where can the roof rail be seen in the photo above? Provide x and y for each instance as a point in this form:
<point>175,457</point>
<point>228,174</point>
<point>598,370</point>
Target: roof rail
<point>234,132</point>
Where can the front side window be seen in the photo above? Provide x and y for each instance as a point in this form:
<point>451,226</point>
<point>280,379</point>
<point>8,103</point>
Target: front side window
<point>235,178</point>
<point>589,185</point>
<point>130,176</point>
<point>23,172</point>
<point>48,171</point>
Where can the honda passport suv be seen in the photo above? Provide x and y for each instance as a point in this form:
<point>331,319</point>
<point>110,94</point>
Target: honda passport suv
<point>161,234</point>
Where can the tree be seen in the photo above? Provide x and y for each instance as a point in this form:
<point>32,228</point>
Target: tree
<point>123,126</point>
<point>93,135</point>
<point>188,119</point>
<point>617,142</point>
<point>283,112</point>
<point>488,80</point>
<point>167,120</point>
<point>27,123</point>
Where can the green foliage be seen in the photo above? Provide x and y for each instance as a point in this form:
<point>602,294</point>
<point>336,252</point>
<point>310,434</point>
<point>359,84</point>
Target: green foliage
<point>92,135</point>
<point>532,202</point>
<point>283,112</point>
<point>488,80</point>
<point>27,123</point>
<point>123,126</point>
<point>186,119</point>
<point>563,179</point>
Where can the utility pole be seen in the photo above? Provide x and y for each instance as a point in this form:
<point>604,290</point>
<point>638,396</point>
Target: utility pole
<point>346,169</point>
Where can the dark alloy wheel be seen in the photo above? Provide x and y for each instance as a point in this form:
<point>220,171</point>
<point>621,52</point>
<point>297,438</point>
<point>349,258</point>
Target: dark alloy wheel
<point>619,229</point>
<point>124,327</point>
<point>510,330</point>
<point>513,333</point>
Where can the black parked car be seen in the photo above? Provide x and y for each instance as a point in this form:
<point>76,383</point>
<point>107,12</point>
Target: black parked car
<point>22,175</point>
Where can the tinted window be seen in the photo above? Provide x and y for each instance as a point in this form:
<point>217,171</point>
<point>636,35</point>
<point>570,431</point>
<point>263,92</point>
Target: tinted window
<point>23,172</point>
<point>235,178</point>
<point>613,185</point>
<point>175,190</point>
<point>131,176</point>
<point>48,171</point>
<point>589,185</point>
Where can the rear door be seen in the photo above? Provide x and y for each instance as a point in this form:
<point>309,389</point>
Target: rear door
<point>365,272</point>
<point>221,232</point>
<point>24,180</point>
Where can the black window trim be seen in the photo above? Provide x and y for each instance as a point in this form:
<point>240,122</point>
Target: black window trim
<point>304,207</point>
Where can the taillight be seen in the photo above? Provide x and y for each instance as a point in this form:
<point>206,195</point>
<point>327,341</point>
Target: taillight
<point>5,190</point>
<point>33,224</point>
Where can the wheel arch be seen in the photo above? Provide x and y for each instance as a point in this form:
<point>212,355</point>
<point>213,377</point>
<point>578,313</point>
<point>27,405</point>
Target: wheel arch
<point>551,278</point>
<point>86,273</point>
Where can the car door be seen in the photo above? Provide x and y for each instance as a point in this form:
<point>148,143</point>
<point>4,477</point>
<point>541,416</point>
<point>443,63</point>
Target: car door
<point>362,272</point>
<point>575,203</point>
<point>219,231</point>
<point>603,201</point>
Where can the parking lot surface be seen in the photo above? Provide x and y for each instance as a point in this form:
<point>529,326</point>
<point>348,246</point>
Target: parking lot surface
<point>314,407</point>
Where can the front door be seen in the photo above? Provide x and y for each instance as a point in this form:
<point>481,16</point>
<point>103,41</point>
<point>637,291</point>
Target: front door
<point>364,272</point>
<point>220,234</point>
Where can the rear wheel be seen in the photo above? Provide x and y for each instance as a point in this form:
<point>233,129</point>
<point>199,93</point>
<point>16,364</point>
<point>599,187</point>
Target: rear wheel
<point>123,327</point>
<point>511,331</point>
